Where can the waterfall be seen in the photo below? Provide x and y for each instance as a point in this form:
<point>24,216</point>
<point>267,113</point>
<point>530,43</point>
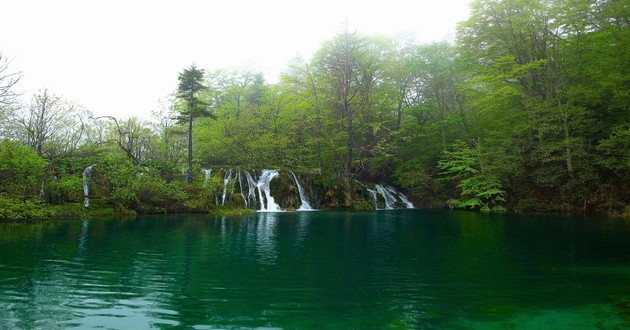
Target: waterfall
<point>390,199</point>
<point>374,198</point>
<point>305,204</point>
<point>389,194</point>
<point>263,186</point>
<point>87,175</point>
<point>251,188</point>
<point>401,196</point>
<point>372,194</point>
<point>406,200</point>
<point>226,180</point>
<point>240,185</point>
<point>207,172</point>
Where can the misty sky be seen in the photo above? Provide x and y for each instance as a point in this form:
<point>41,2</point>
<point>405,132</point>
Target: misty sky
<point>119,57</point>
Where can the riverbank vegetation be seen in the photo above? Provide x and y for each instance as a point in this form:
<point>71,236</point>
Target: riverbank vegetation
<point>528,110</point>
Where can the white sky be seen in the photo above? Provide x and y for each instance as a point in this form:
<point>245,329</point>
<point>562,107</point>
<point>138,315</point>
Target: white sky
<point>119,57</point>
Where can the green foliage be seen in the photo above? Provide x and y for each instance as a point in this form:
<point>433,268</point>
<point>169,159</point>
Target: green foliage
<point>21,169</point>
<point>527,110</point>
<point>462,162</point>
<point>228,211</point>
<point>65,189</point>
<point>68,210</point>
<point>478,189</point>
<point>479,192</point>
<point>154,195</point>
<point>417,177</point>
<point>362,205</point>
<point>189,89</point>
<point>23,209</point>
<point>616,149</point>
<point>134,187</point>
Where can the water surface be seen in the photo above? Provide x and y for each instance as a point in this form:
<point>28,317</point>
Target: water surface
<point>403,269</point>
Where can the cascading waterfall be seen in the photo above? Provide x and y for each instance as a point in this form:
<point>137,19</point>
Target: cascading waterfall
<point>390,199</point>
<point>372,194</point>
<point>249,185</point>
<point>240,184</point>
<point>250,198</point>
<point>226,180</point>
<point>406,200</point>
<point>305,204</point>
<point>87,175</point>
<point>389,194</point>
<point>374,197</point>
<point>401,196</point>
<point>263,186</point>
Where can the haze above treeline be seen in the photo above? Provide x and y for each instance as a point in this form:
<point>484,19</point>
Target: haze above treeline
<point>87,51</point>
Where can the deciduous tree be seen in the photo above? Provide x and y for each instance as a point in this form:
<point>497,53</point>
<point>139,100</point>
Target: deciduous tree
<point>52,126</point>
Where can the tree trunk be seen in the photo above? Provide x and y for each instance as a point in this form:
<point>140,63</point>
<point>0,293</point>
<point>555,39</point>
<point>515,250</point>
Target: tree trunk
<point>569,153</point>
<point>190,143</point>
<point>348,162</point>
<point>399,111</point>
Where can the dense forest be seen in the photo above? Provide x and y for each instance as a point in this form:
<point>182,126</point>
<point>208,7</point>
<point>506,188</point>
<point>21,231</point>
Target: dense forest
<point>528,110</point>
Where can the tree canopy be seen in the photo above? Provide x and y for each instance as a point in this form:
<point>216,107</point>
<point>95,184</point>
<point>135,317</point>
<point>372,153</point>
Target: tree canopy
<point>527,110</point>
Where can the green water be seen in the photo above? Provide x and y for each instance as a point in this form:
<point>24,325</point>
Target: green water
<point>407,269</point>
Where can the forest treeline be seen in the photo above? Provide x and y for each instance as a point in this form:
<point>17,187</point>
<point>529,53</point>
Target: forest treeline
<point>526,111</point>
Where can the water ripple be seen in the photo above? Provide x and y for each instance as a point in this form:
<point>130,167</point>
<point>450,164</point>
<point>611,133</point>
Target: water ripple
<point>409,270</point>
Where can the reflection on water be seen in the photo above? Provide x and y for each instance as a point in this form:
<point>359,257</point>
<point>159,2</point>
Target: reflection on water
<point>266,238</point>
<point>83,236</point>
<point>301,228</point>
<point>374,270</point>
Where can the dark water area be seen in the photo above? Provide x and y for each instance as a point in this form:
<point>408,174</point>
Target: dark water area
<point>402,269</point>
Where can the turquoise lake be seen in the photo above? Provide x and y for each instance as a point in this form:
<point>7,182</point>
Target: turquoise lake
<point>400,269</point>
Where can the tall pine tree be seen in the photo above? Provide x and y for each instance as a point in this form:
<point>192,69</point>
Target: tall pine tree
<point>188,91</point>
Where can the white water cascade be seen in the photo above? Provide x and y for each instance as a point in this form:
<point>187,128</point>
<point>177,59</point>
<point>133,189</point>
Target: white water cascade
<point>389,195</point>
<point>372,194</point>
<point>251,188</point>
<point>401,196</point>
<point>263,186</point>
<point>306,206</point>
<point>87,175</point>
<point>374,198</point>
<point>406,200</point>
<point>390,199</point>
<point>226,180</point>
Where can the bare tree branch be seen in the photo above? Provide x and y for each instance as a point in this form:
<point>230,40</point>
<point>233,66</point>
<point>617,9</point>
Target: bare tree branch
<point>7,81</point>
